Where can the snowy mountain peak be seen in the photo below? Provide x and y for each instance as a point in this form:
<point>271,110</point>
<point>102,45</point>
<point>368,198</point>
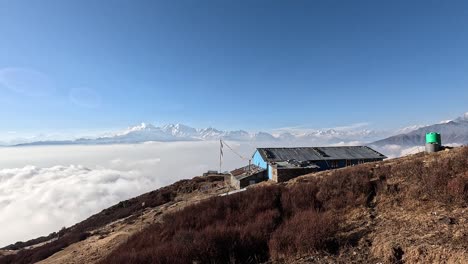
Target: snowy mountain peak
<point>140,127</point>
<point>452,132</point>
<point>180,130</point>
<point>408,129</point>
<point>208,130</point>
<point>463,118</point>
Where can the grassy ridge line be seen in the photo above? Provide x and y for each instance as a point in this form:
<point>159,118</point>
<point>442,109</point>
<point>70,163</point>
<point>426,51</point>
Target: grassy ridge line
<point>121,210</point>
<point>278,223</point>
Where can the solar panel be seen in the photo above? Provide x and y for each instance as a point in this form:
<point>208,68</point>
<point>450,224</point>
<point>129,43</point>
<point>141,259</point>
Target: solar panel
<point>269,154</point>
<point>321,152</point>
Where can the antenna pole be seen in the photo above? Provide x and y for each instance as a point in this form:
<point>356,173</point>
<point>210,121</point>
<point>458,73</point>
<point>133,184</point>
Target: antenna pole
<point>220,155</point>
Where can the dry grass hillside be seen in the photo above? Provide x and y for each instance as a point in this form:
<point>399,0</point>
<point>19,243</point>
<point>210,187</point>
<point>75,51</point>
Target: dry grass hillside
<point>91,240</point>
<point>407,210</point>
<point>417,213</point>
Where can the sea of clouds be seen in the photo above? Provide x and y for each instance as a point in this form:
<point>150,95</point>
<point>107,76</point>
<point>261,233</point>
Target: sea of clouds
<point>44,188</point>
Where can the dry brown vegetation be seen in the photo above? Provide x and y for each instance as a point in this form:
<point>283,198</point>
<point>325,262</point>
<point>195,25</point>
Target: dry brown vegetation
<point>236,228</point>
<point>406,210</point>
<point>332,216</point>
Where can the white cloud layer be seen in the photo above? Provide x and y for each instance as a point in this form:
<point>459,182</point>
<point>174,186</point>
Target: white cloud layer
<point>45,188</point>
<point>395,151</point>
<point>35,201</point>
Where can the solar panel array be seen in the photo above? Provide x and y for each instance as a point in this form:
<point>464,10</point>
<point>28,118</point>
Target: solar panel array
<point>319,153</point>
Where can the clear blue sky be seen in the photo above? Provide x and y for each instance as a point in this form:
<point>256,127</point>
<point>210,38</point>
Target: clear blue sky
<point>89,64</point>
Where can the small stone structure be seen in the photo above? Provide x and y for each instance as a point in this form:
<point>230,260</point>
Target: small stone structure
<point>248,175</point>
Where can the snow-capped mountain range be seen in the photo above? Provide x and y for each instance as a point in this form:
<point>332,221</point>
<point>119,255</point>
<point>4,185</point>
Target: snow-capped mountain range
<point>178,132</point>
<point>453,131</point>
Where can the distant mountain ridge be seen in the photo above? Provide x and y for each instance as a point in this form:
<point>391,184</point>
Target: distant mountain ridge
<point>179,132</point>
<point>452,131</point>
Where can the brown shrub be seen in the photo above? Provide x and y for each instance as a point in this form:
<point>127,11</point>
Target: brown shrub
<point>43,252</point>
<point>443,180</point>
<point>300,197</point>
<point>457,188</point>
<point>435,178</point>
<point>235,228</point>
<point>303,234</point>
<point>344,188</point>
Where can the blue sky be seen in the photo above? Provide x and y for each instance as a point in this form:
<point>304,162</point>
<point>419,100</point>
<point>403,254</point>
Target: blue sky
<point>257,65</point>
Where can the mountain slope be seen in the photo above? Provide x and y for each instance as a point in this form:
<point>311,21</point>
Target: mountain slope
<point>408,209</point>
<point>93,238</point>
<point>453,132</point>
<point>378,212</point>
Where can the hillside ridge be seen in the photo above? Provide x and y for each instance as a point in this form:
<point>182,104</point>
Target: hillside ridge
<point>410,209</point>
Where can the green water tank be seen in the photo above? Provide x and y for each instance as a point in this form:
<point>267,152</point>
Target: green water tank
<point>433,138</point>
